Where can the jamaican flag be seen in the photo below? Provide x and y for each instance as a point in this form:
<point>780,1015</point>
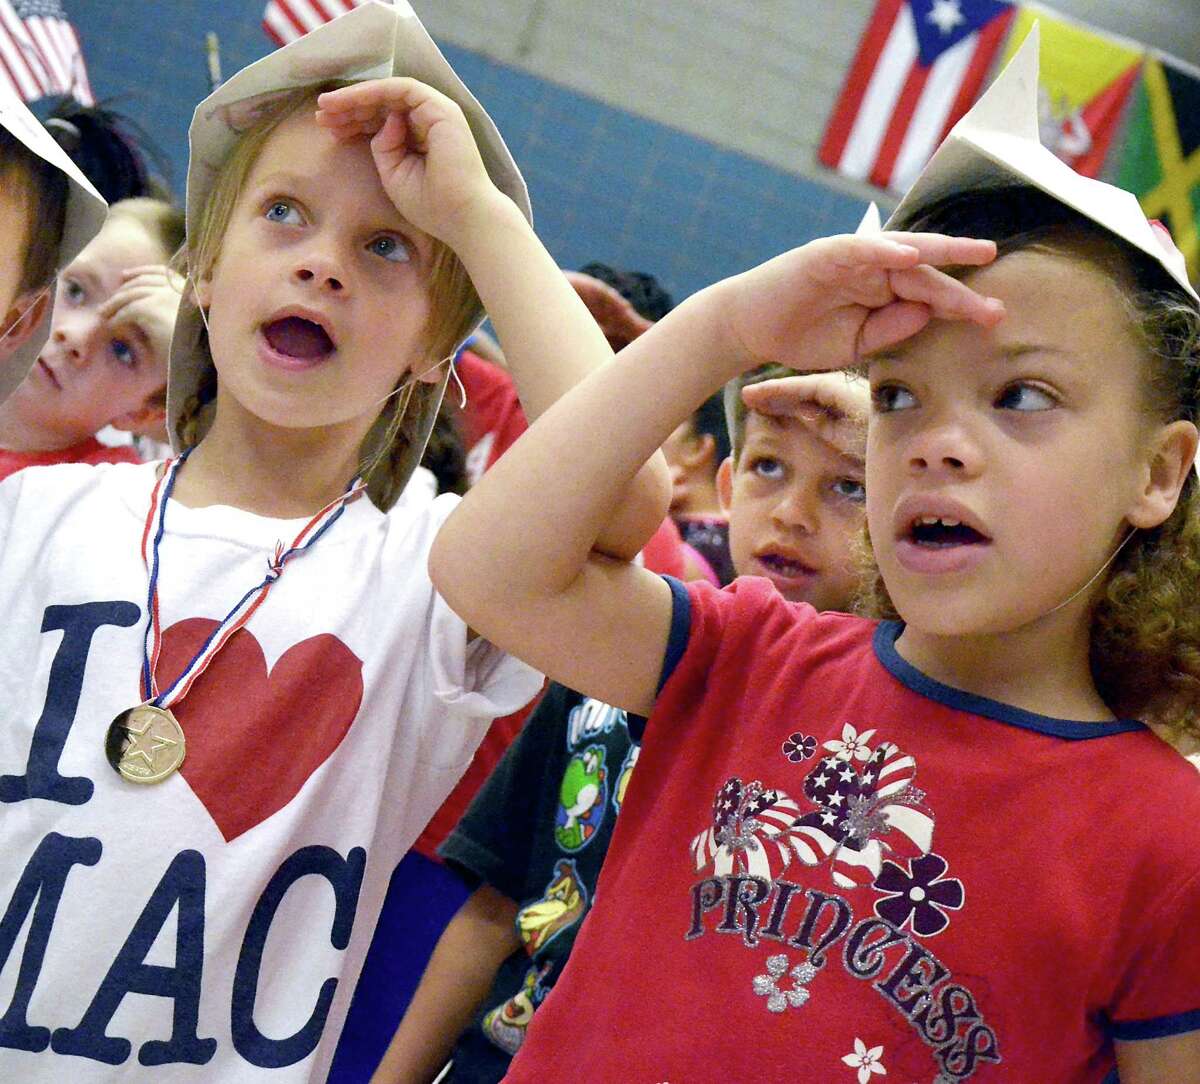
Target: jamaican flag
<point>1160,159</point>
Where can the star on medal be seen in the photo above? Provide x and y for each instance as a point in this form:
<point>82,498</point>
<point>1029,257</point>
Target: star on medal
<point>145,744</point>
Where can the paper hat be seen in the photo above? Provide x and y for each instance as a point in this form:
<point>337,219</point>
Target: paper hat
<point>86,211</point>
<point>997,143</point>
<point>372,41</point>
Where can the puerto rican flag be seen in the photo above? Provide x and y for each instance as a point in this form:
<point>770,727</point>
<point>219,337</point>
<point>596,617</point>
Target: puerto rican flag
<point>919,68</point>
<point>287,20</point>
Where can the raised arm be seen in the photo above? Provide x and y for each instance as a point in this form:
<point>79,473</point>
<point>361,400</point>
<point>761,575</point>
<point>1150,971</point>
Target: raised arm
<point>431,168</point>
<point>518,559</point>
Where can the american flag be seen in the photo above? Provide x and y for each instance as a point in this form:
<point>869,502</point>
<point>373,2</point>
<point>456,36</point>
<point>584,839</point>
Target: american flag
<point>919,67</point>
<point>40,52</point>
<point>287,20</point>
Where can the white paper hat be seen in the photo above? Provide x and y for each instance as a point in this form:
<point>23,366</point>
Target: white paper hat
<point>86,211</point>
<point>997,143</point>
<point>372,41</point>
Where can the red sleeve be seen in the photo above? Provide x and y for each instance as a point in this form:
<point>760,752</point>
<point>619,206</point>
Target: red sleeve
<point>1162,994</point>
<point>727,642</point>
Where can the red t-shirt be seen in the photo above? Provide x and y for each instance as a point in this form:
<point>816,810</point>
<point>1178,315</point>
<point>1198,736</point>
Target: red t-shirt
<point>90,451</point>
<point>829,866</point>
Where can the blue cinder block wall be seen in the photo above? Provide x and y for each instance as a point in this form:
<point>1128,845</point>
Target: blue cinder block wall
<point>606,185</point>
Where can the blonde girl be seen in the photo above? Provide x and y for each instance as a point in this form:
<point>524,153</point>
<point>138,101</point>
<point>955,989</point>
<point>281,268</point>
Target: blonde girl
<point>233,697</point>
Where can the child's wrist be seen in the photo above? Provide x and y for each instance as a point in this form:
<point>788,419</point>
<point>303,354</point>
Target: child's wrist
<point>485,222</point>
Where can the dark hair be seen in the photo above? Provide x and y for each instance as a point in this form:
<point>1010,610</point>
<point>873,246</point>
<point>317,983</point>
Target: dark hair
<point>445,453</point>
<point>112,150</point>
<point>46,189</point>
<point>644,292</point>
<point>1145,626</point>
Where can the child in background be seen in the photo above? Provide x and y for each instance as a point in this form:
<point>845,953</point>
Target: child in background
<point>939,847</point>
<point>204,872</point>
<point>105,362</point>
<point>535,837</point>
<point>48,212</point>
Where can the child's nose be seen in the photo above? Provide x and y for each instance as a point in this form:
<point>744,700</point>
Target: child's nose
<point>797,510</point>
<point>321,268</point>
<point>945,447</point>
<point>73,343</point>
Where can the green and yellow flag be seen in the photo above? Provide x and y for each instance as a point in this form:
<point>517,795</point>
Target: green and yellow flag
<point>1085,80</point>
<point>1160,159</point>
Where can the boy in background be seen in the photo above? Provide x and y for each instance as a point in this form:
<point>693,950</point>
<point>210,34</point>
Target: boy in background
<point>105,361</point>
<point>533,841</point>
<point>48,212</point>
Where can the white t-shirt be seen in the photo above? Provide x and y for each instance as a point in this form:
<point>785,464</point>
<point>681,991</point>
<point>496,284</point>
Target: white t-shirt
<point>211,927</point>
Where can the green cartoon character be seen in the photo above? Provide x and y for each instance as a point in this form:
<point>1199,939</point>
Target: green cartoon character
<point>581,797</point>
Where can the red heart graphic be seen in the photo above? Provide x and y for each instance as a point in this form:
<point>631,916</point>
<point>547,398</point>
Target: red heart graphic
<point>254,738</point>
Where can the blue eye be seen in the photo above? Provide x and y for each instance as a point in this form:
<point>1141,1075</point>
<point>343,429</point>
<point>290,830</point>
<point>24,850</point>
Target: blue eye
<point>766,467</point>
<point>1026,398</point>
<point>891,397</point>
<point>123,353</point>
<point>390,248</point>
<point>281,210</point>
<point>850,489</point>
<point>73,291</point>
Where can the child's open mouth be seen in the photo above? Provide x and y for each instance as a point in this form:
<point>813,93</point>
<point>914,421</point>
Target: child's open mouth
<point>939,532</point>
<point>297,340</point>
<point>788,568</point>
<point>937,544</point>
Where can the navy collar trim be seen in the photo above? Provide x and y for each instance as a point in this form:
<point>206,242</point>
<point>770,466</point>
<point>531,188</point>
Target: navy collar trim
<point>888,632</point>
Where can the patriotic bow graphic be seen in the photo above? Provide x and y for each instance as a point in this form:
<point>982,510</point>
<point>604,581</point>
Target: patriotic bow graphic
<point>867,806</point>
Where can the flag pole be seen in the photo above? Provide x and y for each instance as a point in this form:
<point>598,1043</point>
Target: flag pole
<point>212,49</point>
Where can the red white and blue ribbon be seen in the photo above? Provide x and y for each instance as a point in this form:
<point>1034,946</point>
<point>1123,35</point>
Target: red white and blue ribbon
<point>246,605</point>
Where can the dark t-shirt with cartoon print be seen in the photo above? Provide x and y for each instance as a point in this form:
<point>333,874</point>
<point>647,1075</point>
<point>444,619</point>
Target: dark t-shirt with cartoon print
<point>538,832</point>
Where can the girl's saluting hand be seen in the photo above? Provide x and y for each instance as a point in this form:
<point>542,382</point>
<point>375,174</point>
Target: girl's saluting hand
<point>423,148</point>
<point>826,304</point>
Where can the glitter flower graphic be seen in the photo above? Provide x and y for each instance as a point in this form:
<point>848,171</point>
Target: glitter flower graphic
<point>919,896</point>
<point>799,747</point>
<point>779,999</point>
<point>853,745</point>
<point>867,1062</point>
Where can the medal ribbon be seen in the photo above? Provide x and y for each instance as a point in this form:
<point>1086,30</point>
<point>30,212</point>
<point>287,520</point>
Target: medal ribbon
<point>246,605</point>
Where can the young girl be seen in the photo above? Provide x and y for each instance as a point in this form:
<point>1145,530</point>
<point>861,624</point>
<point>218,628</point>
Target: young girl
<point>199,876</point>
<point>938,848</point>
<point>105,362</point>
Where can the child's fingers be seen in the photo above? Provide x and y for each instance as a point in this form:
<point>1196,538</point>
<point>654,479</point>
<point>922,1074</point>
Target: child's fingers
<point>362,109</point>
<point>941,250</point>
<point>838,394</point>
<point>890,325</point>
<point>946,297</point>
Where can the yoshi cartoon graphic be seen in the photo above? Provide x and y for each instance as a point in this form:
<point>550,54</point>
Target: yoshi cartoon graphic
<point>581,798</point>
<point>563,903</point>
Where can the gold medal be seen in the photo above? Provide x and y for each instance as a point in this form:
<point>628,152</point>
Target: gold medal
<point>145,744</point>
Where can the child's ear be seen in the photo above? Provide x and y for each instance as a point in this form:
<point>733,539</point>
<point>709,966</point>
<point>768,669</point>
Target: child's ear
<point>430,374</point>
<point>701,449</point>
<point>725,485</point>
<point>23,319</point>
<point>1172,457</point>
<point>150,415</point>
<point>202,288</point>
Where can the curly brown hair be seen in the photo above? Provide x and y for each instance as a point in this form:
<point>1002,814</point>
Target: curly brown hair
<point>1145,624</point>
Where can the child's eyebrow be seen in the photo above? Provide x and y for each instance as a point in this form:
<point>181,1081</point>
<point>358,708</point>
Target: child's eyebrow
<point>1007,351</point>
